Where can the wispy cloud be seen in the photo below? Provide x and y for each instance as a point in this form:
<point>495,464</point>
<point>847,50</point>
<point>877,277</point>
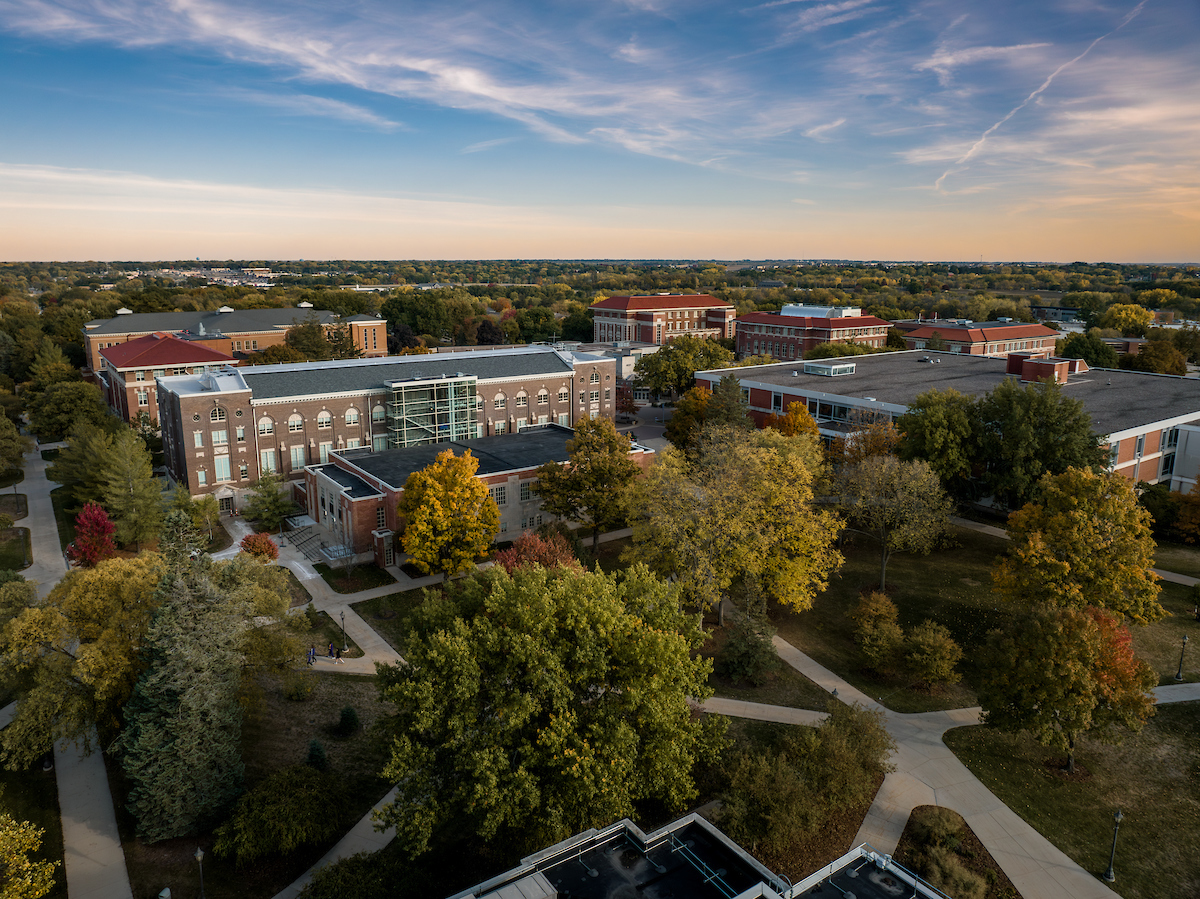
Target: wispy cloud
<point>487,144</point>
<point>309,105</point>
<point>818,132</point>
<point>945,60</point>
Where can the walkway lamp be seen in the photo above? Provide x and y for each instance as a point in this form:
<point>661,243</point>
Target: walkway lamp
<point>1179,673</point>
<point>200,861</point>
<point>345,645</point>
<point>1109,875</point>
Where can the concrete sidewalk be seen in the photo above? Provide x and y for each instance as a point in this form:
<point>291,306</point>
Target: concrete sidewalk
<point>48,563</point>
<point>92,856</point>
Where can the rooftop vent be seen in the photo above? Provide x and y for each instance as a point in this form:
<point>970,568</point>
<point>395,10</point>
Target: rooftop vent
<point>304,305</point>
<point>795,374</point>
<point>829,369</point>
<point>124,311</point>
<point>225,309</point>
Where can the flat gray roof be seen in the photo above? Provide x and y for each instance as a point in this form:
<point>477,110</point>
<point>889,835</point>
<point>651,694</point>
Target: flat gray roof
<point>505,452</point>
<point>360,375</point>
<point>237,321</point>
<point>355,486</point>
<point>1116,400</point>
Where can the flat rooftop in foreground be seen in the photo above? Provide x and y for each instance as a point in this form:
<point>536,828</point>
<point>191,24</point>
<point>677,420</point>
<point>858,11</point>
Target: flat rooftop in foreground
<point>1116,400</point>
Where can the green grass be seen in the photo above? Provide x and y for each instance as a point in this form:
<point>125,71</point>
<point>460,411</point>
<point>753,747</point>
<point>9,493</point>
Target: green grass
<point>10,477</point>
<point>1150,777</point>
<point>388,615</point>
<point>220,539</point>
<point>1159,643</point>
<point>15,505</point>
<point>60,497</point>
<point>785,686</point>
<point>1178,557</point>
<point>300,595</point>
<point>50,455</point>
<point>951,586</point>
<point>15,549</point>
<point>355,578</point>
<point>33,796</point>
<point>329,630</point>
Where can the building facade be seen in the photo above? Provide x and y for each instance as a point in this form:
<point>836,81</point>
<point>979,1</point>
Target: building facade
<point>661,318</point>
<point>223,430</point>
<point>795,329</point>
<point>128,370</point>
<point>235,332</point>
<point>998,338</point>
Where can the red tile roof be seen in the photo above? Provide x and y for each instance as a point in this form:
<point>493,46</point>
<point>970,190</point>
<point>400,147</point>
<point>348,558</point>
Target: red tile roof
<point>160,350</point>
<point>689,301</point>
<point>802,321</point>
<point>981,332</point>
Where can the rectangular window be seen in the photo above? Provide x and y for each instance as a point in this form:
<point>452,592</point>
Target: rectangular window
<point>139,376</point>
<point>521,422</point>
<point>143,398</point>
<point>198,437</point>
<point>379,444</point>
<point>564,396</point>
<point>297,457</point>
<point>522,400</point>
<point>241,435</point>
<point>220,438</point>
<point>380,517</point>
<point>353,443</point>
<point>244,472</point>
<point>1168,465</point>
<point>527,491</point>
<point>594,396</point>
<point>221,464</point>
<point>607,394</point>
<point>295,425</point>
<point>267,461</point>
<point>776,402</point>
<point>1114,451</point>
<point>238,346</point>
<point>254,344</point>
<point>500,427</point>
<point>324,449</point>
<point>564,419</point>
<point>499,493</point>
<point>201,477</point>
<point>503,527</point>
<point>1141,445</point>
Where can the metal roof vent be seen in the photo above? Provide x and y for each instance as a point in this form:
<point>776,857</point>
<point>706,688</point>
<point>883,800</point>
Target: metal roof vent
<point>124,311</point>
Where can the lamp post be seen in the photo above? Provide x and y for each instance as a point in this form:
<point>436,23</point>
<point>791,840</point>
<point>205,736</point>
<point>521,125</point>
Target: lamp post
<point>1179,673</point>
<point>1109,875</point>
<point>345,645</point>
<point>200,861</point>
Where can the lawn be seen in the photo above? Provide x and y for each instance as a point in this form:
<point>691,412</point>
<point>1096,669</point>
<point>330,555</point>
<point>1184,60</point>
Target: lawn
<point>10,477</point>
<point>15,550</point>
<point>14,505</point>
<point>328,630</point>
<point>964,847</point>
<point>1178,557</point>
<point>785,686</point>
<point>276,737</point>
<point>300,595</point>
<point>355,578</point>
<point>1159,643</point>
<point>33,796</point>
<point>952,586</point>
<point>60,497</point>
<point>388,615</point>
<point>1150,777</point>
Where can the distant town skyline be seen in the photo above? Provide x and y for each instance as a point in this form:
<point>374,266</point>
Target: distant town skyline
<point>633,129</point>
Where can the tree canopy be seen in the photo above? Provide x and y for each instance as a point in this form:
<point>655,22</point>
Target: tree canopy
<point>672,368</point>
<point>538,704</point>
<point>590,488</point>
<point>449,518</point>
<point>1128,318</point>
<point>1086,541</point>
<point>65,404</point>
<point>270,502</point>
<point>132,496</point>
<point>940,427</point>
<point>1089,347</point>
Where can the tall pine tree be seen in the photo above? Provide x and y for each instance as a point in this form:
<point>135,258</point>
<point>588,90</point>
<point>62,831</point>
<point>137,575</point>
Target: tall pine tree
<point>131,494</point>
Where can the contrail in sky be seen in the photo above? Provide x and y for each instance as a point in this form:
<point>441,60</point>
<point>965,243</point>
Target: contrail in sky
<point>978,145</point>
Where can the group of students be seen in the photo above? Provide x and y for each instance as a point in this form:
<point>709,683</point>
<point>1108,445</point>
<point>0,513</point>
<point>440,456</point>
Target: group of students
<point>312,655</point>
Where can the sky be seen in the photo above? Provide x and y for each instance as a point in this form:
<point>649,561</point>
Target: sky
<point>1035,130</point>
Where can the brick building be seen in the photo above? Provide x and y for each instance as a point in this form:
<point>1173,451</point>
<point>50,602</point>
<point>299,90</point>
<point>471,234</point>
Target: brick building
<point>128,370</point>
<point>222,430</point>
<point>352,499</point>
<point>660,318</point>
<point>997,338</point>
<point>1150,422</point>
<point>235,332</point>
<point>796,329</point>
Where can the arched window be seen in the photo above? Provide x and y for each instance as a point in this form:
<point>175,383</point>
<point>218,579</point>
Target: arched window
<point>265,426</point>
<point>522,398</point>
<point>499,402</point>
<point>378,415</point>
<point>295,423</point>
<point>543,398</point>
<point>217,414</point>
<point>351,416</point>
<point>564,396</point>
<point>324,420</point>
<point>595,378</point>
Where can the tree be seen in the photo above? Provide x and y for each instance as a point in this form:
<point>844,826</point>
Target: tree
<point>686,422</point>
<point>872,434</point>
<point>931,655</point>
<point>796,421</point>
<point>672,368</point>
<point>132,495</point>
<point>900,504</point>
<point>276,354</point>
<point>738,511</point>
<point>81,463</point>
<point>179,542</point>
<point>13,446</point>
<point>590,488</point>
<point>1090,348</point>
<point>1027,432</point>
<point>180,747</point>
<point>489,333</point>
<point>93,537</point>
<point>940,428</point>
<point>1058,673</point>
<point>1158,357</point>
<point>726,408</point>
<point>877,629</point>
<point>260,546</point>
<point>1188,522</point>
<point>1085,542</point>
<point>270,502</point>
<point>289,810</point>
<point>449,518</point>
<point>531,549</point>
<point>65,404</point>
<point>78,654</point>
<point>539,704</point>
<point>22,877</point>
<point>206,513</point>
<point>1131,320</point>
<point>310,339</point>
<point>836,350</point>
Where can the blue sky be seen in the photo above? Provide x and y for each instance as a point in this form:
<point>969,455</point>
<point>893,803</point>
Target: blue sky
<point>1052,130</point>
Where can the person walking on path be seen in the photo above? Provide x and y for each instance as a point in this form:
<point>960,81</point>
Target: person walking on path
<point>312,654</point>
<point>331,650</point>
<point>338,660</point>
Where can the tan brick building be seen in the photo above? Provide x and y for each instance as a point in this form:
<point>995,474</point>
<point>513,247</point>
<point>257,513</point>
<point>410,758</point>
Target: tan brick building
<point>660,318</point>
<point>221,430</point>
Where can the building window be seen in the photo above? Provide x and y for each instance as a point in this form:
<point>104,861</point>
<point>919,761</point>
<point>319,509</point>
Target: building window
<point>198,437</point>
<point>137,376</point>
<point>143,398</point>
<point>221,464</point>
<point>324,420</point>
<point>1140,446</point>
<point>351,416</point>
<point>297,457</point>
<point>378,415</point>
<point>295,424</point>
<point>1114,451</point>
<point>244,472</point>
<point>543,398</point>
<point>241,435</point>
<point>564,419</point>
<point>353,443</point>
<point>527,491</point>
<point>380,517</point>
<point>594,396</point>
<point>220,438</point>
<point>499,493</point>
<point>503,527</point>
<point>564,396</point>
<point>595,379</point>
<point>267,461</point>
<point>582,397</point>
<point>522,399</point>
<point>201,477</point>
<point>499,401</point>
<point>379,444</point>
<point>254,344</point>
<point>324,449</point>
<point>500,427</point>
<point>265,427</point>
<point>389,554</point>
<point>607,394</point>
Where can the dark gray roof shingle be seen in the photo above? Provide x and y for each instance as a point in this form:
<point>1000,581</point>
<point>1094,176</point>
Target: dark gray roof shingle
<point>239,321</point>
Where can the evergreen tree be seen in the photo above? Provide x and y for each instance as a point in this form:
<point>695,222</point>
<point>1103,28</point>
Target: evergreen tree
<point>131,493</point>
<point>270,502</point>
<point>181,743</point>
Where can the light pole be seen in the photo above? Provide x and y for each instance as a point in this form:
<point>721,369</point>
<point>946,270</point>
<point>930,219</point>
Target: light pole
<point>1179,673</point>
<point>345,645</point>
<point>1109,875</point>
<point>200,861</point>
